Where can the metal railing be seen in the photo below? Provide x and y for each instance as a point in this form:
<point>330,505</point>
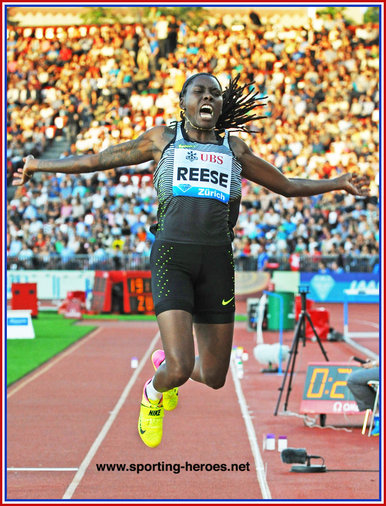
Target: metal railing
<point>307,263</point>
<point>363,263</point>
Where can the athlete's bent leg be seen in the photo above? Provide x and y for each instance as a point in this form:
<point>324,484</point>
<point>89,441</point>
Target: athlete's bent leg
<point>214,341</point>
<point>177,338</point>
<point>176,330</point>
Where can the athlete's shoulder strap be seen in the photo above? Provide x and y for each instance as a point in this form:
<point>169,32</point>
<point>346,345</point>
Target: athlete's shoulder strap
<point>179,136</point>
<point>226,139</point>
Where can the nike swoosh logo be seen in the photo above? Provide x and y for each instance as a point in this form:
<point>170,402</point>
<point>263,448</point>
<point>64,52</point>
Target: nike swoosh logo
<point>140,429</point>
<point>226,302</point>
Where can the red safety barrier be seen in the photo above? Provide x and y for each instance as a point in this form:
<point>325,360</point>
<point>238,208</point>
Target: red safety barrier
<point>77,294</point>
<point>74,308</point>
<point>74,305</point>
<point>24,296</point>
<point>320,318</point>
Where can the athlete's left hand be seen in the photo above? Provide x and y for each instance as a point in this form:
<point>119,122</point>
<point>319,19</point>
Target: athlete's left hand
<point>24,174</point>
<point>355,184</point>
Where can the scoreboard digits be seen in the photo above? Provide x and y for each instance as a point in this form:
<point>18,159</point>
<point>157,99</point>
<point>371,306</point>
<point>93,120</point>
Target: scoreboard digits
<point>139,285</point>
<point>139,292</point>
<point>135,288</point>
<point>325,388</point>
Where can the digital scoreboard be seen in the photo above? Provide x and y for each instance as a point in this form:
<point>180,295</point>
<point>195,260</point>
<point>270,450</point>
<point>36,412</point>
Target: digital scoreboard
<point>129,291</point>
<point>139,292</point>
<point>325,389</point>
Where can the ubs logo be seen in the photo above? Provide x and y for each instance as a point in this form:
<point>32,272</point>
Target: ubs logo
<point>211,157</point>
<point>191,156</point>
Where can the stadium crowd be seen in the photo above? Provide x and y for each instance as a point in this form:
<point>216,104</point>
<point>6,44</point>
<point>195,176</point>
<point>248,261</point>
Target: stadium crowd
<point>98,86</point>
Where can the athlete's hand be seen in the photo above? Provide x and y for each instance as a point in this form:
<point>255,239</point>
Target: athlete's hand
<point>24,174</point>
<point>355,184</point>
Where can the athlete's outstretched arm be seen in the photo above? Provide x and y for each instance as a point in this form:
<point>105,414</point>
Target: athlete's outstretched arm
<point>132,152</point>
<point>259,171</point>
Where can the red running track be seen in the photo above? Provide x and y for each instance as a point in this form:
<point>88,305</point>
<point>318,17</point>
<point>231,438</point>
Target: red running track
<point>81,409</point>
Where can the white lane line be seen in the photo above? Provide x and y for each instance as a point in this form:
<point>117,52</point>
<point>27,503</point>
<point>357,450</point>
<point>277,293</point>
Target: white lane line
<point>366,322</point>
<point>260,471</point>
<point>113,415</point>
<point>53,362</point>
<point>362,349</point>
<point>46,469</point>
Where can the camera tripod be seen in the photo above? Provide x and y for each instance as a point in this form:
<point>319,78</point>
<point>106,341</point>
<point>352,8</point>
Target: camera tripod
<point>300,334</point>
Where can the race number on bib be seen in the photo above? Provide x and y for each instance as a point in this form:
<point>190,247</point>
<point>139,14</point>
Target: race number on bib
<point>202,174</point>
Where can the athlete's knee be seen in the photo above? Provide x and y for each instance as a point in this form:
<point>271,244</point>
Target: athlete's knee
<point>214,381</point>
<point>179,371</point>
<point>216,385</point>
<point>178,377</point>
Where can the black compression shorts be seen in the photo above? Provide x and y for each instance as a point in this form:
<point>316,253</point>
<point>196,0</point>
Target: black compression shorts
<point>195,278</point>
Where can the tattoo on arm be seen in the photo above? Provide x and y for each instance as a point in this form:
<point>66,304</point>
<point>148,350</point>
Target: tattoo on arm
<point>70,165</point>
<point>128,153</point>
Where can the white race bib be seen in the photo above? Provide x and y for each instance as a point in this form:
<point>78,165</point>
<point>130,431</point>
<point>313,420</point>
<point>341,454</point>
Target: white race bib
<point>202,174</point>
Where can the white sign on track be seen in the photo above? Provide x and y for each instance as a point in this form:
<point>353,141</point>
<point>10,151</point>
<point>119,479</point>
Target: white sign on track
<point>19,324</point>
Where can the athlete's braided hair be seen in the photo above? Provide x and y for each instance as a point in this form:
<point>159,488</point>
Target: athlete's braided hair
<point>236,105</point>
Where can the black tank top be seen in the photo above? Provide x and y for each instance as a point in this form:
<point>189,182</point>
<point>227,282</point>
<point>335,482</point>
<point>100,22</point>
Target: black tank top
<point>199,191</point>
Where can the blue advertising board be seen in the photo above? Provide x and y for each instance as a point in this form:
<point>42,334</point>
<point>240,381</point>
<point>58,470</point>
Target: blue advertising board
<point>342,287</point>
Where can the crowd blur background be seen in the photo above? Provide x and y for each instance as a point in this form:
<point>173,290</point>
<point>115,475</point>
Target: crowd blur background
<point>85,87</point>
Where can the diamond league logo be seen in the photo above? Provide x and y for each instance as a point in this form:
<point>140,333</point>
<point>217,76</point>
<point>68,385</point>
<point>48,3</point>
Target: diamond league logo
<point>184,187</point>
<point>191,156</point>
<point>322,284</point>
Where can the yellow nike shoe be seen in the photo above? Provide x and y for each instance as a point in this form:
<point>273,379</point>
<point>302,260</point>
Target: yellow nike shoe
<point>170,398</point>
<point>150,421</point>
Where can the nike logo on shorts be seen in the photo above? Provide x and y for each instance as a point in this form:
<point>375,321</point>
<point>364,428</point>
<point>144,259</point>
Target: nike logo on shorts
<point>226,302</point>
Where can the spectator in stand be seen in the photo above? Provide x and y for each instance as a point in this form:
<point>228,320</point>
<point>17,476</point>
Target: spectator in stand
<point>172,37</point>
<point>262,258</point>
<point>15,246</point>
<point>161,28</point>
<point>25,256</point>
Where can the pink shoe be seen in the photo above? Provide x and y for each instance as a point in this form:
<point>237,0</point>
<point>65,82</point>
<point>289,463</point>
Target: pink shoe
<point>170,398</point>
<point>144,393</point>
<point>157,358</point>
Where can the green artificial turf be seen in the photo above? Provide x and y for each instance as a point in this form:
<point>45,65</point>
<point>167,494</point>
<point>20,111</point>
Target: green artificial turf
<point>53,334</point>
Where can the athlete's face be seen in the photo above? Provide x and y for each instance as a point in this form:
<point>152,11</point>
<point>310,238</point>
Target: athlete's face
<point>202,101</point>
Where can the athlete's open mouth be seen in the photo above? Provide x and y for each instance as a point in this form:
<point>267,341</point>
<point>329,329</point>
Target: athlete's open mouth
<point>206,112</point>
